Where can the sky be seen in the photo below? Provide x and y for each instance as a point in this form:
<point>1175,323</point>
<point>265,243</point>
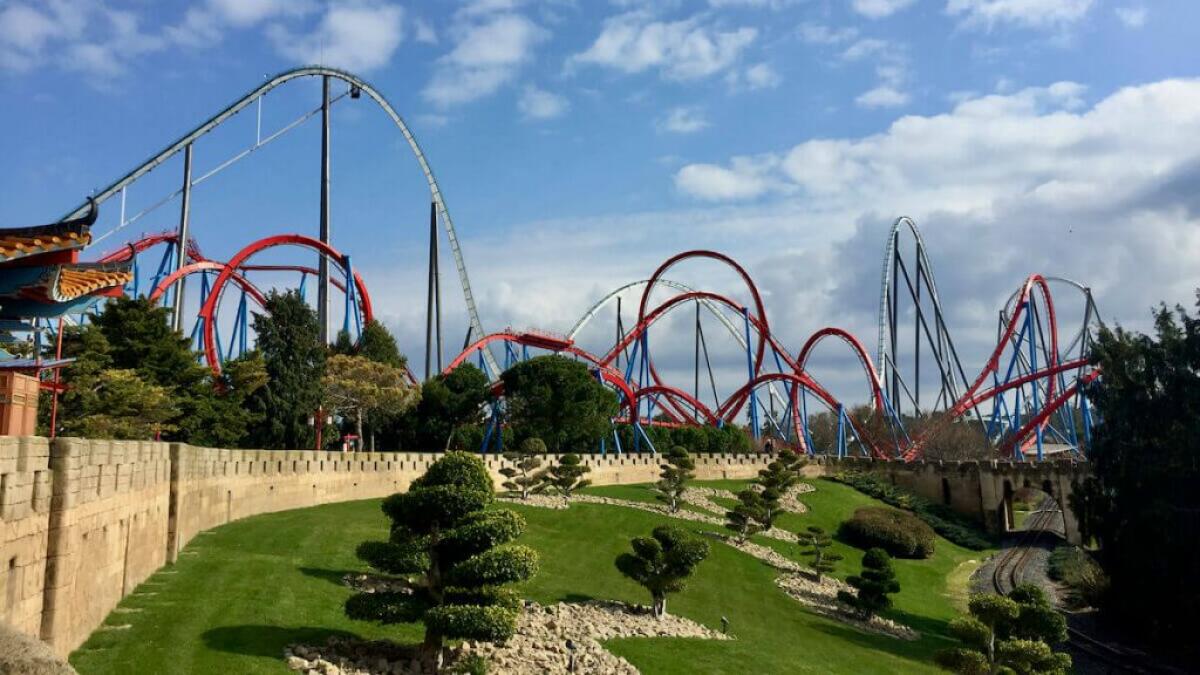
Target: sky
<point>579,144</point>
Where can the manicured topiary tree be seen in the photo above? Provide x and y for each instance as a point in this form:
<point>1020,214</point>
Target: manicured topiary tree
<point>814,541</point>
<point>747,517</point>
<point>453,553</point>
<point>997,639</point>
<point>676,472</point>
<point>523,476</point>
<point>775,480</point>
<point>794,461</point>
<point>873,585</point>
<point>663,562</point>
<point>566,476</point>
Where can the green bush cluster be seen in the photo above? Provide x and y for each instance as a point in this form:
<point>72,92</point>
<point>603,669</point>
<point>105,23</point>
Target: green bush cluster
<point>942,519</point>
<point>730,439</point>
<point>1084,577</point>
<point>900,533</point>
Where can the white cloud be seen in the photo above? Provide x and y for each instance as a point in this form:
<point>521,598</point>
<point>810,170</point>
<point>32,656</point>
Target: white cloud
<point>73,34</point>
<point>1133,17</point>
<point>488,52</point>
<point>878,9</point>
<point>744,178</point>
<point>762,76</point>
<point>683,120</point>
<point>245,13</point>
<point>357,36</point>
<point>539,104</point>
<point>1026,13</point>
<point>883,96</point>
<point>891,72</point>
<point>681,50</point>
<point>820,34</point>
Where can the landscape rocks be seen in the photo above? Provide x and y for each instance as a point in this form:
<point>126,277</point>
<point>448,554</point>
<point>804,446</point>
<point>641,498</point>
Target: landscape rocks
<point>820,596</point>
<point>543,633</point>
<point>547,640</point>
<point>369,583</point>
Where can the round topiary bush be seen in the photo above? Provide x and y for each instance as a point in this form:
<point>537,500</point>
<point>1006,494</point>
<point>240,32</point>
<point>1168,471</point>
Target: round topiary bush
<point>901,534</point>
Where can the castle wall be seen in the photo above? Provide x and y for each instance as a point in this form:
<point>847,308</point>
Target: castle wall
<point>83,522</point>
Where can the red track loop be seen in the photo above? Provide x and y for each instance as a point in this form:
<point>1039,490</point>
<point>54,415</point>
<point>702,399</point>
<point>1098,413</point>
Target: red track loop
<point>208,311</point>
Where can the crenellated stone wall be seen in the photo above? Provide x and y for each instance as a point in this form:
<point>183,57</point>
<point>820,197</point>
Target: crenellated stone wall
<point>83,522</point>
<point>982,490</point>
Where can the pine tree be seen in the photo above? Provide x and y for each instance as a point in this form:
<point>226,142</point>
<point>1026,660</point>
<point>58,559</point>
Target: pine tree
<point>454,554</point>
<point>663,562</point>
<point>677,470</point>
<point>876,582</point>
<point>775,481</point>
<point>815,540</point>
<point>794,461</point>
<point>747,517</point>
<point>567,475</point>
<point>523,477</point>
<point>290,342</point>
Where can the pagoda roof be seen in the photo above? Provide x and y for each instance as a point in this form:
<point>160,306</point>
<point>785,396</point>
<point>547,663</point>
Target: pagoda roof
<point>17,243</point>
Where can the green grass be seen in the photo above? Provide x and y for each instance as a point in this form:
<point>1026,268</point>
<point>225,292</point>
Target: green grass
<point>244,591</point>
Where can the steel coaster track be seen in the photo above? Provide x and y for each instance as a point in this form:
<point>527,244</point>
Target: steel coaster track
<point>355,82</point>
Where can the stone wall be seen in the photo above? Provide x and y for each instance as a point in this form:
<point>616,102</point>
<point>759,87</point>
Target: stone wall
<point>979,490</point>
<point>24,528</point>
<point>82,522</point>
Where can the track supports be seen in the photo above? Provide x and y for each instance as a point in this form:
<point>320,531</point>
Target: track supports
<point>322,261</point>
<point>433,308</point>
<point>181,241</point>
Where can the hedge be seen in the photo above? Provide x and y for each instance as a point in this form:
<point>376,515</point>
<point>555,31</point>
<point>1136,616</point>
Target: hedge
<point>900,533</point>
<point>942,519</point>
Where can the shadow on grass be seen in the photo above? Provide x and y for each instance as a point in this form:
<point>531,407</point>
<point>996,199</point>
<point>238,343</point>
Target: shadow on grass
<point>575,597</point>
<point>255,640</point>
<point>334,577</point>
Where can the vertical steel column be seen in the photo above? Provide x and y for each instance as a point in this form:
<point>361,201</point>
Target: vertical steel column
<point>917,340</point>
<point>181,243</point>
<point>696,385</point>
<point>322,261</point>
<point>430,292</point>
<point>437,289</point>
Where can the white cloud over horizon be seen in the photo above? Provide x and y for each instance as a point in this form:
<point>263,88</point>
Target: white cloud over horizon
<point>687,49</point>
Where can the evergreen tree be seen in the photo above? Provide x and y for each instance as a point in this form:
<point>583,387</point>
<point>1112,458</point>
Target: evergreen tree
<point>876,582</point>
<point>448,403</point>
<point>793,461</point>
<point>814,542</point>
<point>1140,503</point>
<point>663,562</point>
<point>566,476</point>
<point>996,638</point>
<point>523,476</point>
<point>290,343</point>
<point>745,519</point>
<point>559,401</point>
<point>132,336</point>
<point>455,555</point>
<point>775,481</point>
<point>677,470</point>
<point>376,343</point>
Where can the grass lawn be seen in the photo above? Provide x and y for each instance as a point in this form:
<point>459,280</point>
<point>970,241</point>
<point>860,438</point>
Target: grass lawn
<point>242,592</point>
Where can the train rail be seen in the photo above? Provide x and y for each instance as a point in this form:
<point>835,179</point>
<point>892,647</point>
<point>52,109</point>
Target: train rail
<point>1009,572</point>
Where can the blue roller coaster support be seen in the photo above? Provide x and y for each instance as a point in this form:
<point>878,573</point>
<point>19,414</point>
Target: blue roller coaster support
<point>841,431</point>
<point>754,430</point>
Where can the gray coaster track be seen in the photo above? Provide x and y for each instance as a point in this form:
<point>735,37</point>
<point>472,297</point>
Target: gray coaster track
<point>356,82</point>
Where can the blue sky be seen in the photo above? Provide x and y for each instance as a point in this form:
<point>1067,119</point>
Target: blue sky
<point>580,143</point>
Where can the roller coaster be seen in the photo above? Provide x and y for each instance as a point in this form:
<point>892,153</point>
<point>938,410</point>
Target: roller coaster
<point>1027,401</point>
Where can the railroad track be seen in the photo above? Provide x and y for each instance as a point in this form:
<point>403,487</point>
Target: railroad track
<point>1009,571</point>
<point>1010,567</point>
